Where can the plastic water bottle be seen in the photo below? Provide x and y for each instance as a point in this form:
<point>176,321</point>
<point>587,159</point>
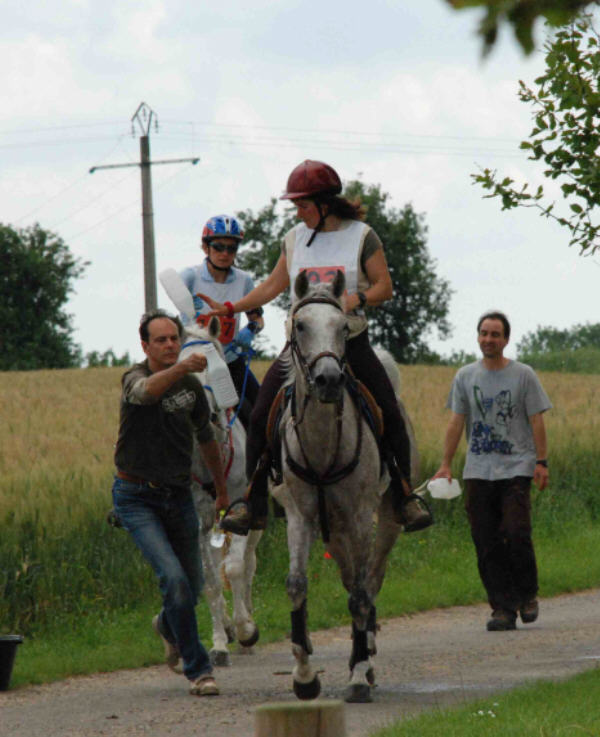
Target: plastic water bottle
<point>443,489</point>
<point>217,536</point>
<point>219,378</point>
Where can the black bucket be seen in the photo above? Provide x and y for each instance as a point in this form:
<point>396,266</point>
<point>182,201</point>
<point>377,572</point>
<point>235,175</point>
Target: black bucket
<point>8,650</point>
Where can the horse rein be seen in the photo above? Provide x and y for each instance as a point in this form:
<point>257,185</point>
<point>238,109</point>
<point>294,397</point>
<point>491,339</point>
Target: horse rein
<point>306,473</point>
<point>307,366</point>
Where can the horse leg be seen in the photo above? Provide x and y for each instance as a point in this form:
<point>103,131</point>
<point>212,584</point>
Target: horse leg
<point>387,534</point>
<point>306,682</point>
<point>213,590</point>
<point>235,570</point>
<point>249,570</point>
<point>361,670</point>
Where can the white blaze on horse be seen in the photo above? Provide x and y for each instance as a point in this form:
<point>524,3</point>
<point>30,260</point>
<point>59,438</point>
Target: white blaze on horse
<point>332,483</point>
<point>235,561</point>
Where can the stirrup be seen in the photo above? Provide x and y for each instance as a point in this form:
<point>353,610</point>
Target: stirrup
<point>422,520</point>
<point>241,525</point>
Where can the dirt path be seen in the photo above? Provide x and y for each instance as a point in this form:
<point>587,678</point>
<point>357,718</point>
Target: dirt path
<point>425,661</point>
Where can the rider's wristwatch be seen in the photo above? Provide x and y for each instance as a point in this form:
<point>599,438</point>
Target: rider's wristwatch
<point>362,299</point>
<point>542,462</point>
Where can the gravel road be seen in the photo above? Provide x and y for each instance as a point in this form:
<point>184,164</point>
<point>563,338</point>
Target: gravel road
<point>425,661</point>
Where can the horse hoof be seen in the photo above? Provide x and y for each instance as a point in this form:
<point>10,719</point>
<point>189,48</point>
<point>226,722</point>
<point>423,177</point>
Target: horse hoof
<point>219,658</point>
<point>252,640</point>
<point>308,691</point>
<point>358,693</point>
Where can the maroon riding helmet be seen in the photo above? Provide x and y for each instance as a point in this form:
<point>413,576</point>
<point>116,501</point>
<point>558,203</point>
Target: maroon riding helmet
<point>312,178</point>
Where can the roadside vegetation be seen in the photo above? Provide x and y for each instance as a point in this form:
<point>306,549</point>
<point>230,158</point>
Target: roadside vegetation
<point>541,710</point>
<point>83,597</point>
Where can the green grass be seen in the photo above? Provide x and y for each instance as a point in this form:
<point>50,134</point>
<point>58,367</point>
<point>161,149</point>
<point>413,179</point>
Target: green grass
<point>545,709</point>
<point>433,568</point>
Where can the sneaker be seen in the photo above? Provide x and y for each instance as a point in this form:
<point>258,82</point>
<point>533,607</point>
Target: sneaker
<point>529,611</point>
<point>172,655</point>
<point>414,514</point>
<point>501,621</point>
<point>204,686</point>
<point>239,519</point>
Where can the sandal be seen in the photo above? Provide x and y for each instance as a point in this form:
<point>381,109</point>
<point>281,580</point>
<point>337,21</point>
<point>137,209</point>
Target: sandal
<point>204,686</point>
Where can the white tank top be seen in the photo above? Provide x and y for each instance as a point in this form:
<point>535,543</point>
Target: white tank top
<point>330,251</point>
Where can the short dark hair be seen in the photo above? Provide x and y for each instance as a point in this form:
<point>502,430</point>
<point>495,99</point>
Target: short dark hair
<point>496,316</point>
<point>147,318</point>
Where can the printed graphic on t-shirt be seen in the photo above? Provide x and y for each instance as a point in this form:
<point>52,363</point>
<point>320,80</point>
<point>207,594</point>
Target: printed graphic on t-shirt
<point>490,433</point>
<point>185,399</point>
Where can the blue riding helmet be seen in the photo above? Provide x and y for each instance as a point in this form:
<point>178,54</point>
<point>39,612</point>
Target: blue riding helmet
<point>222,226</point>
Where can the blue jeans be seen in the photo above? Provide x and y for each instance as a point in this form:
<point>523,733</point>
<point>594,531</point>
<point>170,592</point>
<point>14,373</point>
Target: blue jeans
<point>164,525</point>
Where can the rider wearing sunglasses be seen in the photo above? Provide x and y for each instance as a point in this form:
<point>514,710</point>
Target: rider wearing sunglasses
<point>218,278</point>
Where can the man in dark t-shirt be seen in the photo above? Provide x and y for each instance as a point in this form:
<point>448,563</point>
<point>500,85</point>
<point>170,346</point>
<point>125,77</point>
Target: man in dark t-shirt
<point>163,406</point>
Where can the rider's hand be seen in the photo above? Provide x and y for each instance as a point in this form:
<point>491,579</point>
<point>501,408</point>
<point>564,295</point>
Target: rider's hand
<point>351,302</point>
<point>216,308</point>
<point>245,337</point>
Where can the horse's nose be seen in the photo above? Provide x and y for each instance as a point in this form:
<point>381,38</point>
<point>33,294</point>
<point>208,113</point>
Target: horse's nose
<point>329,385</point>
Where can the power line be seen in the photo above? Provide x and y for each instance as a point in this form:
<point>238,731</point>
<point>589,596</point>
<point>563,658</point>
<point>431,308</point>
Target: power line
<point>338,131</point>
<point>69,187</point>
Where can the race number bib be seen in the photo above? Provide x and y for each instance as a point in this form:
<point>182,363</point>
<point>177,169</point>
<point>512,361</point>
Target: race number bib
<point>227,326</point>
<point>322,274</point>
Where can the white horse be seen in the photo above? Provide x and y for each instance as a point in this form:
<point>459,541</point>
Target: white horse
<point>235,561</point>
<point>332,484</point>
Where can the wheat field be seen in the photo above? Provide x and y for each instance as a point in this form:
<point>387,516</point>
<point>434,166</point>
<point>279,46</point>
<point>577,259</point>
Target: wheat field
<point>59,428</point>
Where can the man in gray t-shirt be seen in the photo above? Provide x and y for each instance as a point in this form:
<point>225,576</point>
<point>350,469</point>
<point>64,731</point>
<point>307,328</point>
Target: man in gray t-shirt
<point>501,403</point>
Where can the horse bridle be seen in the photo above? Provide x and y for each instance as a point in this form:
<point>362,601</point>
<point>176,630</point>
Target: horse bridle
<point>306,472</point>
<point>307,366</point>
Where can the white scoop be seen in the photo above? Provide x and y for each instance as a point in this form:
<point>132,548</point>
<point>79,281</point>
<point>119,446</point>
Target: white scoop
<point>443,489</point>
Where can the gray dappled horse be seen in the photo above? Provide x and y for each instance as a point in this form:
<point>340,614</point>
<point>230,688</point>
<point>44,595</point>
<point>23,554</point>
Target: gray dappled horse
<point>331,484</point>
<point>235,562</point>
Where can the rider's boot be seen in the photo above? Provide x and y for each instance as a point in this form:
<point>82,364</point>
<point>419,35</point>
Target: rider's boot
<point>410,510</point>
<point>251,512</point>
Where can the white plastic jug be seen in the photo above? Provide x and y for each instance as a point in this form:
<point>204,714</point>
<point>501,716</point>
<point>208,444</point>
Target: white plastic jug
<point>443,489</point>
<point>219,379</point>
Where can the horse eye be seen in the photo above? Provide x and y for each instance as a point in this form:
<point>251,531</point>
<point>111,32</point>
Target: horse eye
<point>299,326</point>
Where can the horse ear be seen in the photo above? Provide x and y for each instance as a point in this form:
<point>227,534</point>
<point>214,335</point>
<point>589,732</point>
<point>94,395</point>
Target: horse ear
<point>339,284</point>
<point>214,327</point>
<point>301,285</point>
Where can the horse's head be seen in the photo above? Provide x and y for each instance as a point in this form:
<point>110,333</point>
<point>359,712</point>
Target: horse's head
<point>197,335</point>
<point>318,336</point>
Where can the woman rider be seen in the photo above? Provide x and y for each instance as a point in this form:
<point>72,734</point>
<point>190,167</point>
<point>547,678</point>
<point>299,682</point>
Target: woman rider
<point>218,278</point>
<point>330,236</point>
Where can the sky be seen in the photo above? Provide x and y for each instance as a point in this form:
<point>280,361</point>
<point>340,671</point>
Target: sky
<point>394,92</point>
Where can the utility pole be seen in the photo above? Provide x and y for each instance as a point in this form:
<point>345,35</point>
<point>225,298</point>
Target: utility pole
<point>144,116</point>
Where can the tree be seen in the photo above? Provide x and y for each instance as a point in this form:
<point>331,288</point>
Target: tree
<point>421,298</point>
<point>37,270</point>
<point>566,135</point>
<point>95,359</point>
<point>521,15</point>
<point>575,350</point>
<point>547,339</point>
